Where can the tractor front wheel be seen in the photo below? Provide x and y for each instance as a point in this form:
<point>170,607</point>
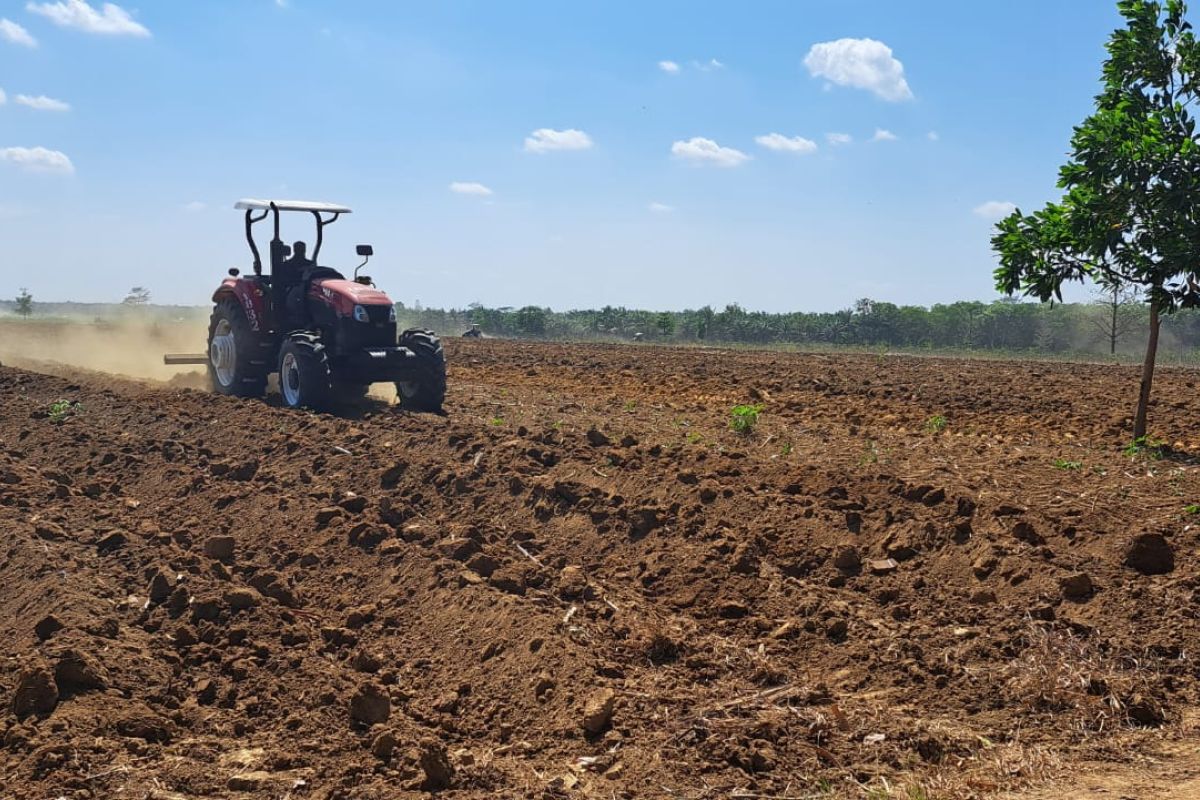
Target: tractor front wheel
<point>237,356</point>
<point>304,380</point>
<point>426,391</point>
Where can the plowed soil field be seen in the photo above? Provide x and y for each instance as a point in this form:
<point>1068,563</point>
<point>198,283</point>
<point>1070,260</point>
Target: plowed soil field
<point>912,578</point>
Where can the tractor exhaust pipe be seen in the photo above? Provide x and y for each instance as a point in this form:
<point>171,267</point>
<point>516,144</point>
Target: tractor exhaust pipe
<point>172,359</point>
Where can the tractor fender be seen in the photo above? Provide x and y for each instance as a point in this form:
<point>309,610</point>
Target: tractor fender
<point>249,295</point>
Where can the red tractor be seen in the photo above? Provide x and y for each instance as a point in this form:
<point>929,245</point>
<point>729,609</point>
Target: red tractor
<point>328,338</point>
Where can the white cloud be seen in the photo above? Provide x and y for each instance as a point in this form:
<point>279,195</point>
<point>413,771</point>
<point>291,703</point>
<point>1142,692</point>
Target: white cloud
<point>37,159</point>
<point>195,206</point>
<point>794,144</point>
<point>471,188</point>
<point>708,66</point>
<point>932,136</point>
<point>12,32</point>
<point>882,135</point>
<point>111,20</point>
<point>994,210</point>
<point>837,139</point>
<point>3,97</point>
<point>699,150</point>
<point>861,64</point>
<point>669,66</point>
<point>543,140</point>
<point>661,208</point>
<point>41,103</point>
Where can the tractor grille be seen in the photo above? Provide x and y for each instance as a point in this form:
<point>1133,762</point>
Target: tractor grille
<point>377,332</point>
<point>377,314</point>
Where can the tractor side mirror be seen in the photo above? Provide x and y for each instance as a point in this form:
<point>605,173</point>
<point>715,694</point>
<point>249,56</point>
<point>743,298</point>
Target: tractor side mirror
<point>366,251</point>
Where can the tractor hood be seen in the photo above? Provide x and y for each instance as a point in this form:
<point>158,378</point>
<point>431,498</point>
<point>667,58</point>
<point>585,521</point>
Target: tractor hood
<point>344,295</point>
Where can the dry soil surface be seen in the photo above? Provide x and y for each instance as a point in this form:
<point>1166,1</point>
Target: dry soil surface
<point>916,578</point>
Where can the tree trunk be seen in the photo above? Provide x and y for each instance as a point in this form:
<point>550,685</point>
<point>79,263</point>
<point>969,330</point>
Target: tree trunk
<point>1112,341</point>
<point>1139,420</point>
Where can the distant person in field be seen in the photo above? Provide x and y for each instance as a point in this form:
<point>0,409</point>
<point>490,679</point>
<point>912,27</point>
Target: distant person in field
<point>473,332</point>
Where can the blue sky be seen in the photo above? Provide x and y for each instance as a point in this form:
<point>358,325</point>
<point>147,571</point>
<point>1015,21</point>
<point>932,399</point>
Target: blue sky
<point>647,186</point>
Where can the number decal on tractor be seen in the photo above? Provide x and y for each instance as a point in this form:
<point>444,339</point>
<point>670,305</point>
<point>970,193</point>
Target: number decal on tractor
<point>251,316</point>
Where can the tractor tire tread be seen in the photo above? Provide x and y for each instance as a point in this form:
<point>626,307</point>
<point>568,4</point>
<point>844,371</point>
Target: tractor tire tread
<point>250,375</point>
<point>430,391</point>
<point>316,380</point>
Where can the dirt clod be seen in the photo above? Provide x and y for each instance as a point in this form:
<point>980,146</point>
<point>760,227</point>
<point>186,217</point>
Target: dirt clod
<point>847,558</point>
<point>370,705</point>
<point>383,745</point>
<point>160,587</point>
<point>77,671</point>
<point>242,599</point>
<point>1077,586</point>
<point>110,542</point>
<point>47,626</point>
<point>596,438</point>
<point>598,710</point>
<point>35,693</point>
<point>220,547</point>
<point>1150,554</point>
<point>435,764</point>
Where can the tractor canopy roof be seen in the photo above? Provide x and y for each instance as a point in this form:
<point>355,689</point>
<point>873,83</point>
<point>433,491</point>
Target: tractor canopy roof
<point>250,203</point>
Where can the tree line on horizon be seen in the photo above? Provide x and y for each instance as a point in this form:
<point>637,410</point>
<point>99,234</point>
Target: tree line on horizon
<point>1114,325</point>
<point>1110,326</point>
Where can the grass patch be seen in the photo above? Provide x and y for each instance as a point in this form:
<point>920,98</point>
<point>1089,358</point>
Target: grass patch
<point>1145,447</point>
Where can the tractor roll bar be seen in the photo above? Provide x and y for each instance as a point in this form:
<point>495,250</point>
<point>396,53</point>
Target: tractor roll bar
<point>250,220</point>
<point>271,207</point>
<point>321,223</point>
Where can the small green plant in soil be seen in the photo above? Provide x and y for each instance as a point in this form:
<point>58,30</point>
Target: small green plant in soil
<point>1145,447</point>
<point>1062,463</point>
<point>935,424</point>
<point>61,409</point>
<point>743,419</point>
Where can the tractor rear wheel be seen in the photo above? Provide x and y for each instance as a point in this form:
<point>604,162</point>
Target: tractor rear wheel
<point>427,390</point>
<point>304,379</point>
<point>237,356</point>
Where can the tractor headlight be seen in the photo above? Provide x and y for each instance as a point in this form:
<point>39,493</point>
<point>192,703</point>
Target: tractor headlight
<point>360,314</point>
<point>391,313</point>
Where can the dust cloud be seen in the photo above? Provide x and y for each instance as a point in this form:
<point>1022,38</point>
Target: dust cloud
<point>125,346</point>
<point>129,346</point>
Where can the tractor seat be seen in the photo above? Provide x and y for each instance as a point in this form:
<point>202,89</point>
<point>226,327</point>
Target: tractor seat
<point>322,273</point>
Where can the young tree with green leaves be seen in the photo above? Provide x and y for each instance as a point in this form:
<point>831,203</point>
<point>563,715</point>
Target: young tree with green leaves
<point>24,303</point>
<point>1129,216</point>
